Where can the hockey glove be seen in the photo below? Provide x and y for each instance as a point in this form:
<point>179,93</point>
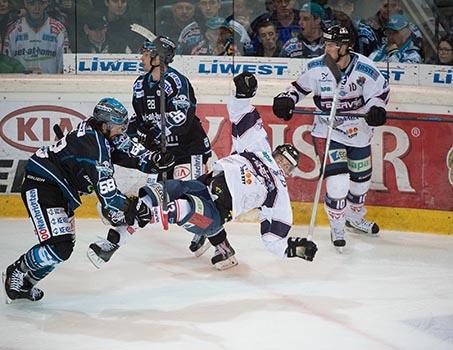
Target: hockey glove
<point>148,136</point>
<point>138,213</point>
<point>376,116</point>
<point>302,248</point>
<point>246,85</point>
<point>161,162</point>
<point>283,106</point>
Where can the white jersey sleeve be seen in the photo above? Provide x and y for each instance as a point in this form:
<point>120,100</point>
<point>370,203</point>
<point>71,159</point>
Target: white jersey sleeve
<point>247,127</point>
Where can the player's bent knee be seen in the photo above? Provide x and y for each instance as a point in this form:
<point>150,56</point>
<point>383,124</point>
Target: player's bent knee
<point>63,249</point>
<point>203,217</point>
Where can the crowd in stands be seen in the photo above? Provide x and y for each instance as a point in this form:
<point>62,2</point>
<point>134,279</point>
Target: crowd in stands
<point>34,34</point>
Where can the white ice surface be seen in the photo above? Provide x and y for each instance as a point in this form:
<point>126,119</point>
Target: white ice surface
<point>391,292</point>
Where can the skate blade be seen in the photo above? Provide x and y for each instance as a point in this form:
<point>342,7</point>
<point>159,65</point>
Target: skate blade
<point>360,232</point>
<point>7,299</point>
<point>340,249</point>
<point>94,258</point>
<point>202,249</point>
<point>226,264</point>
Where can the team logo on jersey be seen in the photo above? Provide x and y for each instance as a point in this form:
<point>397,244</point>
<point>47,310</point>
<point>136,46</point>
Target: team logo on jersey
<point>246,176</point>
<point>337,156</point>
<point>181,102</point>
<point>351,132</point>
<point>360,165</point>
<point>361,80</point>
<point>104,169</point>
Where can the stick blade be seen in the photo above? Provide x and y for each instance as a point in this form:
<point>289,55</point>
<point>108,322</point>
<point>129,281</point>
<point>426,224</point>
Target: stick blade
<point>144,32</point>
<point>332,65</point>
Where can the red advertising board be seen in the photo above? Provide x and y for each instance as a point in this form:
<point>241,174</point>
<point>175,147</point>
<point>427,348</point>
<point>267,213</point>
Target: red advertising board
<point>412,160</point>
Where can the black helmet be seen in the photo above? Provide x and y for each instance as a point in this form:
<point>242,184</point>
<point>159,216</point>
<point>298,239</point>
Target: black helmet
<point>163,47</point>
<point>338,34</point>
<point>111,112</point>
<point>289,152</point>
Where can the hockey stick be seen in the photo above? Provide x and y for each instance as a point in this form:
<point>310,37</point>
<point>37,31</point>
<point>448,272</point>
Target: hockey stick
<point>147,34</point>
<point>58,132</point>
<point>395,117</point>
<point>163,129</point>
<point>144,32</point>
<point>331,64</point>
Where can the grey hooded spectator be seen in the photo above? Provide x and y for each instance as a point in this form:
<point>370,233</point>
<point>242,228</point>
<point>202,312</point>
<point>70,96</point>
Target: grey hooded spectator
<point>400,46</point>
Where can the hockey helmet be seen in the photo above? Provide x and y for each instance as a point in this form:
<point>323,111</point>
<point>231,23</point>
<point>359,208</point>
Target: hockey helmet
<point>289,152</point>
<point>163,47</point>
<point>338,34</point>
<point>111,112</point>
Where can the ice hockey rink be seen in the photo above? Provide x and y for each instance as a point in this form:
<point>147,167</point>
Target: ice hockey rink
<point>390,292</point>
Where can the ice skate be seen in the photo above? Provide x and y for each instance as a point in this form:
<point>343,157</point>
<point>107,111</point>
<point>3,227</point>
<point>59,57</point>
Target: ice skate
<point>13,281</point>
<point>101,251</point>
<point>30,292</point>
<point>199,245</point>
<point>337,237</point>
<point>363,226</point>
<point>223,258</point>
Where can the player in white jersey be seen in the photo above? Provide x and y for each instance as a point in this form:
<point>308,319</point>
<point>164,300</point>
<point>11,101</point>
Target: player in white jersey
<point>37,40</point>
<point>252,177</point>
<point>363,90</point>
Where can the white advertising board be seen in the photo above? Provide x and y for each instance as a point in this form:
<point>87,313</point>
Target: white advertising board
<point>269,68</point>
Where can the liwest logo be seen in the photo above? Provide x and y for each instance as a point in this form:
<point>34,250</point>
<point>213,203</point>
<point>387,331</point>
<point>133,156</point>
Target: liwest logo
<point>96,64</point>
<point>29,128</point>
<point>216,67</point>
<point>443,77</point>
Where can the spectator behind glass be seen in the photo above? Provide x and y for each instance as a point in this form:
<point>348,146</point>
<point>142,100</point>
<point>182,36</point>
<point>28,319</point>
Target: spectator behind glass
<point>64,11</point>
<point>193,34</point>
<point>268,45</point>
<point>371,32</point>
<point>37,40</point>
<point>242,12</point>
<point>8,14</point>
<point>93,38</point>
<point>308,42</point>
<point>120,38</point>
<point>182,12</point>
<point>400,46</point>
<point>445,50</point>
<point>218,39</point>
<point>285,17</point>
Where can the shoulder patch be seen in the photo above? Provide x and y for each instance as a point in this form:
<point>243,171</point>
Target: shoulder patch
<point>368,70</point>
<point>315,63</point>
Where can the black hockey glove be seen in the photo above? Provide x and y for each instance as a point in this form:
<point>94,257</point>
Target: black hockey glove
<point>302,248</point>
<point>283,106</point>
<point>148,136</point>
<point>246,85</point>
<point>137,212</point>
<point>158,162</point>
<point>376,116</point>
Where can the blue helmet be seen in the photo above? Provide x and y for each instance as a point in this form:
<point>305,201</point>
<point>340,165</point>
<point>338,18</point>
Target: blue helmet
<point>111,112</point>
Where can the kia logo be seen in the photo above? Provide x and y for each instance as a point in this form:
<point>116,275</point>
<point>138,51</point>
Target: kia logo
<point>29,128</point>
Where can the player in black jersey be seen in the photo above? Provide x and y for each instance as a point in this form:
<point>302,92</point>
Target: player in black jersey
<point>186,138</point>
<point>81,162</point>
